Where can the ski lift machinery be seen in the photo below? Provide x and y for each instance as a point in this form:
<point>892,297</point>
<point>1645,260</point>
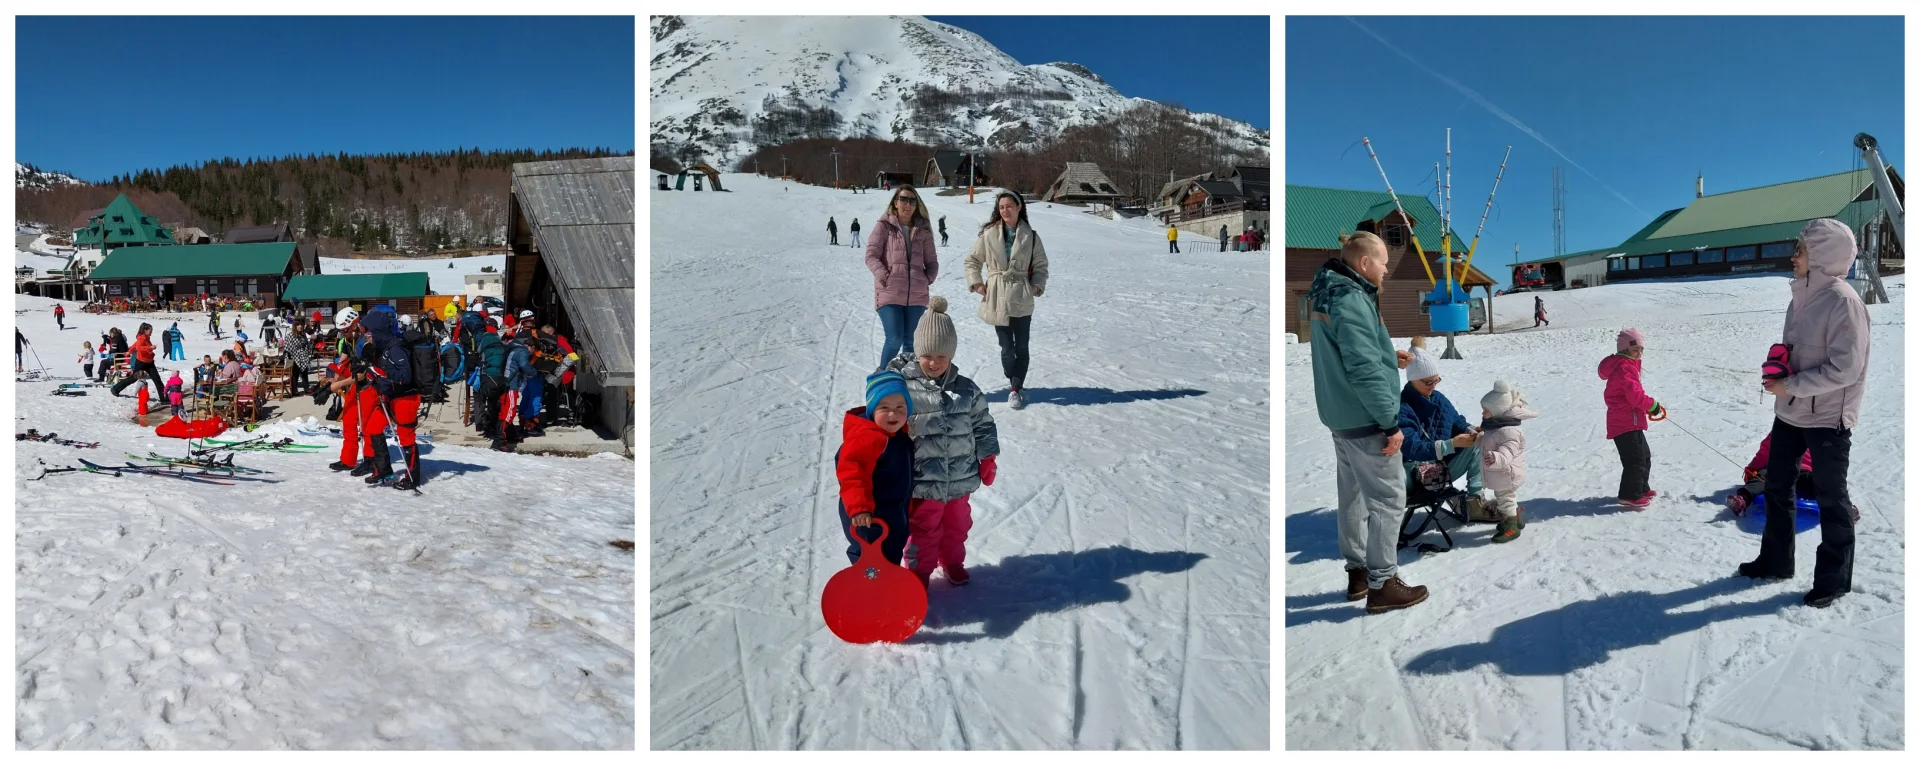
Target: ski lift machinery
<point>1896,215</point>
<point>1448,304</point>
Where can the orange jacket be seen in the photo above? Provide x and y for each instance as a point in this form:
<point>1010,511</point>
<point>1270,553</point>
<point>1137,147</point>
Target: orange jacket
<point>864,442</point>
<point>143,347</point>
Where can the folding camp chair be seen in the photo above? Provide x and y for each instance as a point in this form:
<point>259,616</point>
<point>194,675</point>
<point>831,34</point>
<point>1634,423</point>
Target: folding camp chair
<point>1435,508</point>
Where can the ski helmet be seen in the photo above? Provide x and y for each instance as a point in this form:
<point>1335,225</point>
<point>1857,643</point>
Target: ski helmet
<point>345,318</point>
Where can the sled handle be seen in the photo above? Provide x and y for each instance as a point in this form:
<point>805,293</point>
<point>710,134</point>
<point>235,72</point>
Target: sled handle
<point>884,531</point>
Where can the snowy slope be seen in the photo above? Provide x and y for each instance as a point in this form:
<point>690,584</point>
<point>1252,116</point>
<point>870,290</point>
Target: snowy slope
<point>712,74</point>
<point>28,178</point>
<point>1120,562</point>
<point>445,276</point>
<point>314,613</point>
<point>1600,628</point>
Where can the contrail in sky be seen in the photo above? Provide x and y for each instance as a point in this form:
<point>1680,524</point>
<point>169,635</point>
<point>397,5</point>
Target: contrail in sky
<point>1498,112</point>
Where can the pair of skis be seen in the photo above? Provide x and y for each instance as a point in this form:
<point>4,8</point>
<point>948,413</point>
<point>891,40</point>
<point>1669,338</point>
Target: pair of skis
<point>88,466</point>
<point>35,436</point>
<point>205,464</point>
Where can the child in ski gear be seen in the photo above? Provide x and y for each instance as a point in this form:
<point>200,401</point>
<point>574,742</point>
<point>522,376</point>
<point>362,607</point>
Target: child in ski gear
<point>175,395</point>
<point>87,356</point>
<point>1754,477</point>
<point>1628,407</point>
<point>1503,454</point>
<point>875,467</point>
<point>1435,432</point>
<point>955,448</point>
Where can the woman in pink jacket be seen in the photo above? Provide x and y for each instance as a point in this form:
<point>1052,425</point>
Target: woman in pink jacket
<point>1628,407</point>
<point>904,263</point>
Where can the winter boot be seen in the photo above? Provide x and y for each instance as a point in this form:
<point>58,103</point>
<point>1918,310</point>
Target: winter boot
<point>501,445</point>
<point>1394,595</point>
<point>1356,584</point>
<point>956,574</point>
<point>1507,530</point>
<point>339,466</point>
<point>414,477</point>
<point>1756,570</point>
<point>1481,511</point>
<point>1821,599</point>
<point>1637,505</point>
<point>365,467</point>
<point>1017,398</point>
<point>382,460</point>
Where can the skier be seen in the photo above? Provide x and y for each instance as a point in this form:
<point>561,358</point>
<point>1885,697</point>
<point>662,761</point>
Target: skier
<point>833,232</point>
<point>1540,312</point>
<point>875,467</point>
<point>955,445</point>
<point>855,230</point>
<point>175,340</point>
<point>142,361</point>
<point>347,383</point>
<point>60,315</point>
<point>1173,239</point>
<point>19,351</point>
<point>396,395</point>
<point>213,320</point>
<point>1629,410</point>
<point>904,264</point>
<point>1008,269</point>
<point>1816,405</point>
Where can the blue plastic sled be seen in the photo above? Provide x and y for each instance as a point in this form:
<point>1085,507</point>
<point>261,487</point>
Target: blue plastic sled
<point>1806,515</point>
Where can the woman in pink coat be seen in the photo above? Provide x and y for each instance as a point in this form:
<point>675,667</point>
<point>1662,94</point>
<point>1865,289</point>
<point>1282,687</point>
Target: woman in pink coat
<point>1628,407</point>
<point>904,263</point>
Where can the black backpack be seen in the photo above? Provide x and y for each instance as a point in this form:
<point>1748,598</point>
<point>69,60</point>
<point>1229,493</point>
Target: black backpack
<point>386,351</point>
<point>425,355</point>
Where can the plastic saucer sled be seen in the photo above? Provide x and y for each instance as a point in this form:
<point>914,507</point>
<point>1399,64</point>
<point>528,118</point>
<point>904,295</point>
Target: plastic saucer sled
<point>1806,515</point>
<point>873,600</point>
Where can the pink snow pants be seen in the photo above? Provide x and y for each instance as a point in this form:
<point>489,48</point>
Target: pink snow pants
<point>938,533</point>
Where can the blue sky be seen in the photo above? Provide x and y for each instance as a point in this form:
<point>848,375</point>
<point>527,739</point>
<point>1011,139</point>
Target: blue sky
<point>179,89</point>
<point>1642,104</point>
<point>1151,57</point>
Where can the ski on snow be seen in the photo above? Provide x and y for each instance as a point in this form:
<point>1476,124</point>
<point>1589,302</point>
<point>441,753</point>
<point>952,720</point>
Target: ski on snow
<point>35,436</point>
<point>131,468</point>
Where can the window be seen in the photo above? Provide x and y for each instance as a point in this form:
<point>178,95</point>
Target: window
<point>1681,259</point>
<point>1653,261</point>
<point>1742,253</point>
<point>126,232</point>
<point>118,219</point>
<point>1711,255</point>
<point>1396,236</point>
<point>1777,250</point>
<point>1633,262</point>
<point>1616,264</point>
<point>253,287</point>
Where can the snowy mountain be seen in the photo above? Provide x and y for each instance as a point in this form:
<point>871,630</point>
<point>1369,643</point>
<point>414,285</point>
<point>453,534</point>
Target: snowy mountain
<point>1120,562</point>
<point>1600,628</point>
<point>29,177</point>
<point>726,84</point>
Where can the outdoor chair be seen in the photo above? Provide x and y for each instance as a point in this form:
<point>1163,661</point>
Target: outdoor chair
<point>1434,509</point>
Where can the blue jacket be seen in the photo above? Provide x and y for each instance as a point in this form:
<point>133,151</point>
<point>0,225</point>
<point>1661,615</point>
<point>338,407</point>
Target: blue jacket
<point>1424,421</point>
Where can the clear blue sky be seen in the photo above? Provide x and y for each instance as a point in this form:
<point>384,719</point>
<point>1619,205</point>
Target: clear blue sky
<point>1218,64</point>
<point>1643,104</point>
<point>181,89</point>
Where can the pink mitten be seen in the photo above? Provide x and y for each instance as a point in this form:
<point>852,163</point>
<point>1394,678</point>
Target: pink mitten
<point>987,470</point>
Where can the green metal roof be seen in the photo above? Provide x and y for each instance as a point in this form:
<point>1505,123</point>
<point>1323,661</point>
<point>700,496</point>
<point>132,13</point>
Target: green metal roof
<point>195,261</point>
<point>346,287</point>
<point>1855,215</point>
<point>1792,201</point>
<point>1317,216</point>
<point>122,223</point>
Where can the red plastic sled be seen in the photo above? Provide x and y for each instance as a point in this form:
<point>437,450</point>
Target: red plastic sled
<point>874,600</point>
<point>198,429</point>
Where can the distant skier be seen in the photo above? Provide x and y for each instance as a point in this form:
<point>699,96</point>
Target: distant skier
<point>833,232</point>
<point>1223,237</point>
<point>855,230</point>
<point>1540,312</point>
<point>1173,239</point>
<point>19,351</point>
<point>60,315</point>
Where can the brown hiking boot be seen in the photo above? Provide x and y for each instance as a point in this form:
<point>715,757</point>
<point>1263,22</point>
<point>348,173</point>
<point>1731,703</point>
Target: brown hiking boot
<point>1356,584</point>
<point>1394,595</point>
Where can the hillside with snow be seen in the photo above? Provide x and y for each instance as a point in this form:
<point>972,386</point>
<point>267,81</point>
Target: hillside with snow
<point>1119,563</point>
<point>29,177</point>
<point>1602,628</point>
<point>713,78</point>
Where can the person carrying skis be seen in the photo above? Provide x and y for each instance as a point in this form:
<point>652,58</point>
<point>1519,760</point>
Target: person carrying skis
<point>396,395</point>
<point>874,466</point>
<point>60,315</point>
<point>1827,345</point>
<point>855,231</point>
<point>142,361</point>
<point>833,232</point>
<point>955,445</point>
<point>1629,412</point>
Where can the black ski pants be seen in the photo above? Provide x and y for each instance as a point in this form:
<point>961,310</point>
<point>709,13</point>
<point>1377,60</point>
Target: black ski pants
<point>486,410</point>
<point>1636,462</point>
<point>133,376</point>
<point>1832,449</point>
<point>1013,349</point>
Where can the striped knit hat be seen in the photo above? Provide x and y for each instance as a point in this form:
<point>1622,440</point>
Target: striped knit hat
<point>885,382</point>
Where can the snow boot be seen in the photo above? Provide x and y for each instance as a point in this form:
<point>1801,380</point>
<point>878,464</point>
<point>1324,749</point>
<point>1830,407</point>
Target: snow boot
<point>1738,503</point>
<point>1356,584</point>
<point>382,460</point>
<point>956,574</point>
<point>1394,595</point>
<point>1017,398</point>
<point>1757,571</point>
<point>339,466</point>
<point>365,467</point>
<point>1821,599</point>
<point>412,457</point>
<point>501,445</point>
<point>1481,511</point>
<point>406,483</point>
<point>1507,530</point>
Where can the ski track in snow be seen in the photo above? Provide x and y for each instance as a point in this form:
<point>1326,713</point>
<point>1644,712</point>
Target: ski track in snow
<point>1600,628</point>
<point>1120,561</point>
<point>155,613</point>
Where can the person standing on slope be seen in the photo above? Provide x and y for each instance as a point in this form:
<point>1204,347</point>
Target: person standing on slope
<point>1816,404</point>
<point>60,315</point>
<point>1540,312</point>
<point>1629,411</point>
<point>1223,237</point>
<point>213,320</point>
<point>854,230</point>
<point>833,232</point>
<point>19,351</point>
<point>176,350</point>
<point>396,396</point>
<point>943,231</point>
<point>955,446</point>
<point>1355,389</point>
<point>1007,268</point>
<point>1173,239</point>
<point>904,262</point>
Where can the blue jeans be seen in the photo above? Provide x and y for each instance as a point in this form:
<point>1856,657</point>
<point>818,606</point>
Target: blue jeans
<point>898,322</point>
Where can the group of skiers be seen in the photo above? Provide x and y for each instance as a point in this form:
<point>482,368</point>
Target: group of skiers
<point>833,232</point>
<point>1386,444</point>
<point>924,440</point>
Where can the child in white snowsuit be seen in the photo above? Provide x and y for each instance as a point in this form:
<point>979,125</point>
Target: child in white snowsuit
<point>1503,454</point>
<point>955,444</point>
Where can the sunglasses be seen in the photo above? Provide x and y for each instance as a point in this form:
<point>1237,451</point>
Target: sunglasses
<point>908,200</point>
<point>1433,381</point>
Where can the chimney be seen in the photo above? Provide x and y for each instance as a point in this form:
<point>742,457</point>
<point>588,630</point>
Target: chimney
<point>1700,185</point>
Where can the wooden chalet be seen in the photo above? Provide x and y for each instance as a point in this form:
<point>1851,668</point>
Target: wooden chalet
<point>1083,182</point>
<point>1317,217</point>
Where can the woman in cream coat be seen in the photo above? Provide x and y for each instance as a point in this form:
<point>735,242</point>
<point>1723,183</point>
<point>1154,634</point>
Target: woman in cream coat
<point>1008,269</point>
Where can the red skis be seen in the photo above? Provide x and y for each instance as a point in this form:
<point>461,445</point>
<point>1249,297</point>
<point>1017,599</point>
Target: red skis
<point>874,600</point>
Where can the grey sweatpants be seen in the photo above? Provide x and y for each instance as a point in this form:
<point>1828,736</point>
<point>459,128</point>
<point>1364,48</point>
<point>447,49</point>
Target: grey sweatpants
<point>1373,498</point>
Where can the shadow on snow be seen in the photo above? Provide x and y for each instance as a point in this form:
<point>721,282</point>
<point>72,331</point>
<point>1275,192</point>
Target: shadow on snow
<point>1315,535</point>
<point>1003,596</point>
<point>1071,396</point>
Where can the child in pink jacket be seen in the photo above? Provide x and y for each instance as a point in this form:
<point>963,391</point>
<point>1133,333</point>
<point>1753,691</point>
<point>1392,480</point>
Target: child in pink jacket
<point>1503,454</point>
<point>1628,407</point>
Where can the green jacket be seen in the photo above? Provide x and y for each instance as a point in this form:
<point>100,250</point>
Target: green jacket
<point>1356,378</point>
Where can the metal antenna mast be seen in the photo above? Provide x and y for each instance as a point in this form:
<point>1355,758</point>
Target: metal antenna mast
<point>1559,213</point>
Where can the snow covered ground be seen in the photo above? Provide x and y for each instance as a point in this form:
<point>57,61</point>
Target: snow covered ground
<point>315,613</point>
<point>1600,628</point>
<point>1120,563</point>
<point>447,276</point>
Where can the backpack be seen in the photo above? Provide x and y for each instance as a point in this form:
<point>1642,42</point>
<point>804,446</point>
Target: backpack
<point>453,363</point>
<point>490,355</point>
<point>424,356</point>
<point>387,353</point>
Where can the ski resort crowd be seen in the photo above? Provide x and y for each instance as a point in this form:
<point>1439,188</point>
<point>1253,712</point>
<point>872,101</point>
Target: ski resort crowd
<point>1400,447</point>
<point>925,440</point>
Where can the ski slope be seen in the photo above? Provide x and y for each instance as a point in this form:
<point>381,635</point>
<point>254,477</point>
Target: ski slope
<point>1601,628</point>
<point>316,613</point>
<point>1120,563</point>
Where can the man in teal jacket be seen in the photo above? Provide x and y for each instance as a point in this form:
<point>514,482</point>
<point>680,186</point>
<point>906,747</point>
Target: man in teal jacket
<point>1356,385</point>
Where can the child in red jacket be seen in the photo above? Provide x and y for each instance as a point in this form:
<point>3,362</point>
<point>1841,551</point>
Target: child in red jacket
<point>1755,480</point>
<point>875,467</point>
<point>1628,410</point>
